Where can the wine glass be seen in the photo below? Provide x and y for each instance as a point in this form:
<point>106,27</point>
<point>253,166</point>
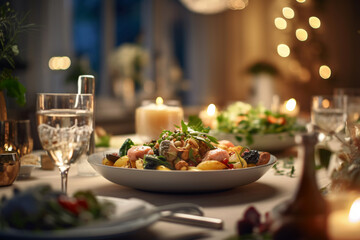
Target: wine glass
<point>64,127</point>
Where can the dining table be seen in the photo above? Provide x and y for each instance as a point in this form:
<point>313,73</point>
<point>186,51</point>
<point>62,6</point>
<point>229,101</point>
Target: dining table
<point>228,205</point>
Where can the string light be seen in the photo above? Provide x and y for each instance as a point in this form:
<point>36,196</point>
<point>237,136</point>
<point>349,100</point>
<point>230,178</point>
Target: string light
<point>280,23</point>
<point>283,50</point>
<point>301,34</point>
<point>288,12</point>
<point>314,22</point>
<point>59,63</point>
<point>237,4</point>
<point>325,72</point>
<point>301,1</point>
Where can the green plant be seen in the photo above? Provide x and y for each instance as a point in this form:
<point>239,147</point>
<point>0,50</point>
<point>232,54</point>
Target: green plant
<point>11,25</point>
<point>262,67</point>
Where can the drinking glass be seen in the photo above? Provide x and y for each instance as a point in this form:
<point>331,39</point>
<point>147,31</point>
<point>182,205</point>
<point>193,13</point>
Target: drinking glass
<point>353,103</point>
<point>23,141</point>
<point>329,113</point>
<point>15,136</point>
<point>64,127</point>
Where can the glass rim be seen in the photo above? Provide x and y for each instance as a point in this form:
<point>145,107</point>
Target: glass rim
<point>329,96</point>
<point>65,94</point>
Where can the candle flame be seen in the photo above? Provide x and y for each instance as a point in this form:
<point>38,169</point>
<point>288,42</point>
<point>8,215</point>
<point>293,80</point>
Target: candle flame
<point>291,104</point>
<point>325,103</point>
<point>354,214</point>
<point>211,110</point>
<point>159,101</point>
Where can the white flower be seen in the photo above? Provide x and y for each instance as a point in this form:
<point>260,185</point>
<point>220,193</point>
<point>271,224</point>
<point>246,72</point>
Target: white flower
<point>15,49</point>
<point>124,59</point>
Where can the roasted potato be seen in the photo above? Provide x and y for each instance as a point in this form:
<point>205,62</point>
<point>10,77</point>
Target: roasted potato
<point>122,162</point>
<point>107,162</point>
<point>211,165</point>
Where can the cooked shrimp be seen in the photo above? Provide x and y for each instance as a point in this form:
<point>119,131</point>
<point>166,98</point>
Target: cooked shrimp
<point>216,154</point>
<point>136,152</point>
<point>226,143</point>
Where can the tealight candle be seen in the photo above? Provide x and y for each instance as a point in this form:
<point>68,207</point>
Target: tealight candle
<point>152,118</point>
<point>290,108</point>
<point>344,224</point>
<point>209,115</point>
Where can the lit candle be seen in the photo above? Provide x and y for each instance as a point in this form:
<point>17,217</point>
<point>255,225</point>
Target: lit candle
<point>151,119</point>
<point>209,115</point>
<point>290,108</point>
<point>344,224</point>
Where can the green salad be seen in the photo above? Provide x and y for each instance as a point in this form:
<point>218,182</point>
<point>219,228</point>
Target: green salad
<point>244,121</point>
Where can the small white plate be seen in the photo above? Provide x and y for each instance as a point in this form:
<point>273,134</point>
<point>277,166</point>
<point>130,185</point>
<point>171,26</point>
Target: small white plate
<point>179,181</point>
<point>104,229</point>
<point>25,171</point>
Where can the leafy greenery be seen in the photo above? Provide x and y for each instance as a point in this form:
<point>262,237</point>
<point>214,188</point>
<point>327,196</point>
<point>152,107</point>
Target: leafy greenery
<point>244,121</point>
<point>193,129</point>
<point>263,67</point>
<point>103,141</point>
<point>11,25</point>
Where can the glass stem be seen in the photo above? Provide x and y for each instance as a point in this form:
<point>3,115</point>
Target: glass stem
<point>64,178</point>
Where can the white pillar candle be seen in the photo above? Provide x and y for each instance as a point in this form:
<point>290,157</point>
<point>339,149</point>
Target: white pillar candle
<point>151,119</point>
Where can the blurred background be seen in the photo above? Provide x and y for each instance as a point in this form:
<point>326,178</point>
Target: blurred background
<point>195,51</point>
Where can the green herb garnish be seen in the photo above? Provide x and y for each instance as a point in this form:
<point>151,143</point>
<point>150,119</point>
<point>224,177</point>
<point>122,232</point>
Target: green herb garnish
<point>152,161</point>
<point>287,168</point>
<point>125,147</point>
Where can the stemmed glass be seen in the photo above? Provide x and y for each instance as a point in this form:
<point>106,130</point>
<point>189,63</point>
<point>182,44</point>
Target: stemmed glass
<point>64,127</point>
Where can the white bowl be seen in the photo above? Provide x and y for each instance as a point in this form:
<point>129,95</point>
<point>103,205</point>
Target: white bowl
<point>179,181</point>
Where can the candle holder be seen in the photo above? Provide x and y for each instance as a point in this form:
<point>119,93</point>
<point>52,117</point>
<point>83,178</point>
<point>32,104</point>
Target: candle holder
<point>152,117</point>
<point>9,168</point>
<point>344,216</point>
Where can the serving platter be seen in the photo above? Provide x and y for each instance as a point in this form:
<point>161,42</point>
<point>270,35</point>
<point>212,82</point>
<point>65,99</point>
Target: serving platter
<point>178,181</point>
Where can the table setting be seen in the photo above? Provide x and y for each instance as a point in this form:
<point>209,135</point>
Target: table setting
<point>228,198</point>
<point>254,166</point>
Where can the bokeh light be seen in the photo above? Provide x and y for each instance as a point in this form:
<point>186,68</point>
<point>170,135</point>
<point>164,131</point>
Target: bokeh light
<point>59,63</point>
<point>314,22</point>
<point>288,12</point>
<point>301,34</point>
<point>237,4</point>
<point>325,72</point>
<point>283,50</point>
<point>280,23</point>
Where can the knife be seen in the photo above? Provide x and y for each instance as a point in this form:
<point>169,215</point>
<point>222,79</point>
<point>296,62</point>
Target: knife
<point>194,220</point>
